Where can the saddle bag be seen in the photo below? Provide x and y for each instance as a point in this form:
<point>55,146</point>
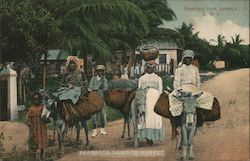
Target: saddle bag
<point>210,115</point>
<point>162,106</point>
<point>87,106</point>
<point>117,98</point>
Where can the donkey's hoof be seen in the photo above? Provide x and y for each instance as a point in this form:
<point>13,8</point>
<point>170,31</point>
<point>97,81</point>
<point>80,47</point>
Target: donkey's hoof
<point>88,147</point>
<point>76,146</point>
<point>122,136</point>
<point>182,158</point>
<point>60,154</point>
<point>129,138</point>
<point>191,158</point>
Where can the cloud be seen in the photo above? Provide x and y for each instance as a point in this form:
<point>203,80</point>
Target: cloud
<point>209,28</point>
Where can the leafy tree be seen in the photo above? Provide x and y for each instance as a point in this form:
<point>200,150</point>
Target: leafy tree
<point>32,27</point>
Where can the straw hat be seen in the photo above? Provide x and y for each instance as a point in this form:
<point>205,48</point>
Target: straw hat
<point>100,67</point>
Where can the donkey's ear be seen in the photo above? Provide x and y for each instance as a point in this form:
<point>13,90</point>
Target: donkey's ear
<point>198,95</point>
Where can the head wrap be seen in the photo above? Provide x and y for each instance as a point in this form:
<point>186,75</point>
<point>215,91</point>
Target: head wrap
<point>72,58</point>
<point>188,53</point>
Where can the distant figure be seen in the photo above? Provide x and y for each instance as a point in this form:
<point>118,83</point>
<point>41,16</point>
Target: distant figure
<point>124,72</point>
<point>38,129</point>
<point>116,75</point>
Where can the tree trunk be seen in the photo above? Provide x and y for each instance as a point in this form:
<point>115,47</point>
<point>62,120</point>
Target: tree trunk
<point>131,61</point>
<point>45,71</point>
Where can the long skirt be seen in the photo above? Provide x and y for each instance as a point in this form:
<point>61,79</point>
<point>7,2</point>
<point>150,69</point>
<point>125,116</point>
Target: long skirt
<point>153,128</point>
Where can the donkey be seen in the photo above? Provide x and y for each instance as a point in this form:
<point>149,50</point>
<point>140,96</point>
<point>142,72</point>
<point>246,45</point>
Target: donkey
<point>52,109</point>
<point>187,122</point>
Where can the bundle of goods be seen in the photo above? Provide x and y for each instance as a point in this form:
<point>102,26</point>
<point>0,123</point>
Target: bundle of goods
<point>129,85</point>
<point>149,53</point>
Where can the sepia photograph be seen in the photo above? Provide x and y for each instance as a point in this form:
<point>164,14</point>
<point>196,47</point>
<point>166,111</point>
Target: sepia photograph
<point>124,80</point>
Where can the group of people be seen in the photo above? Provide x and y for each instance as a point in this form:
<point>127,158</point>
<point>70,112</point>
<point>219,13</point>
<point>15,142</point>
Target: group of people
<point>151,126</point>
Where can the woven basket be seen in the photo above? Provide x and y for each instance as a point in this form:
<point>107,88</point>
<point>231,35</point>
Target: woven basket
<point>162,106</point>
<point>117,98</point>
<point>90,105</point>
<point>149,53</point>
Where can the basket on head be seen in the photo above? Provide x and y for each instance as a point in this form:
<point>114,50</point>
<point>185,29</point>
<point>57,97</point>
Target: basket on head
<point>149,53</point>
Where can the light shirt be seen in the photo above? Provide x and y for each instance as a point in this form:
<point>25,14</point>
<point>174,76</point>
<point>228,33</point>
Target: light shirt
<point>150,80</point>
<point>185,75</point>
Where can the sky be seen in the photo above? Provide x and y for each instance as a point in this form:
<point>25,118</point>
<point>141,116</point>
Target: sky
<point>213,17</point>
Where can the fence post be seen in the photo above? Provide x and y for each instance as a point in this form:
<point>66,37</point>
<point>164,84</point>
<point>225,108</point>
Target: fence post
<point>8,91</point>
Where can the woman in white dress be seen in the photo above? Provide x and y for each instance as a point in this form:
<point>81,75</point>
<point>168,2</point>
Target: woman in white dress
<point>152,129</point>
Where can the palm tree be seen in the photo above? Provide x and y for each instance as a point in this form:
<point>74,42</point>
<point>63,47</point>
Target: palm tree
<point>236,42</point>
<point>156,11</point>
<point>97,24</point>
<point>221,40</point>
<point>186,31</point>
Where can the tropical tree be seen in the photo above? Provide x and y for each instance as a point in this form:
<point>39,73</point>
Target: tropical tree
<point>156,11</point>
<point>190,38</point>
<point>221,40</point>
<point>236,41</point>
<point>67,24</point>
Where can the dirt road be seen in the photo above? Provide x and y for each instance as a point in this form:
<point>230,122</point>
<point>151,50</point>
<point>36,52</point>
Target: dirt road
<point>225,140</point>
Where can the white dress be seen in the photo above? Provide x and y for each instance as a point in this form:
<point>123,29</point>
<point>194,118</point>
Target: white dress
<point>153,129</point>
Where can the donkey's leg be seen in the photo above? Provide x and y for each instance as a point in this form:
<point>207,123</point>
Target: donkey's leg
<point>61,131</point>
<point>128,122</point>
<point>190,143</point>
<point>85,125</point>
<point>78,128</point>
<point>133,114</point>
<point>63,128</point>
<point>124,126</point>
<point>184,143</point>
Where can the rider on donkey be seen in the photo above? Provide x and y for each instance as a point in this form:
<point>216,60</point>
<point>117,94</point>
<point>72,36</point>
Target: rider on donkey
<point>74,85</point>
<point>187,79</point>
<point>75,77</point>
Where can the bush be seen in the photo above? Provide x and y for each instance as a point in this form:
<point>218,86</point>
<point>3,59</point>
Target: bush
<point>167,82</point>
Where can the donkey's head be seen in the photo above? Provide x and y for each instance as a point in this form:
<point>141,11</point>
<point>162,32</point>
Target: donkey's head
<point>189,107</point>
<point>50,105</point>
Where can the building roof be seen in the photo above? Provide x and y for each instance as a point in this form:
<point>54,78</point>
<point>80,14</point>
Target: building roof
<point>56,55</point>
<point>166,45</point>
